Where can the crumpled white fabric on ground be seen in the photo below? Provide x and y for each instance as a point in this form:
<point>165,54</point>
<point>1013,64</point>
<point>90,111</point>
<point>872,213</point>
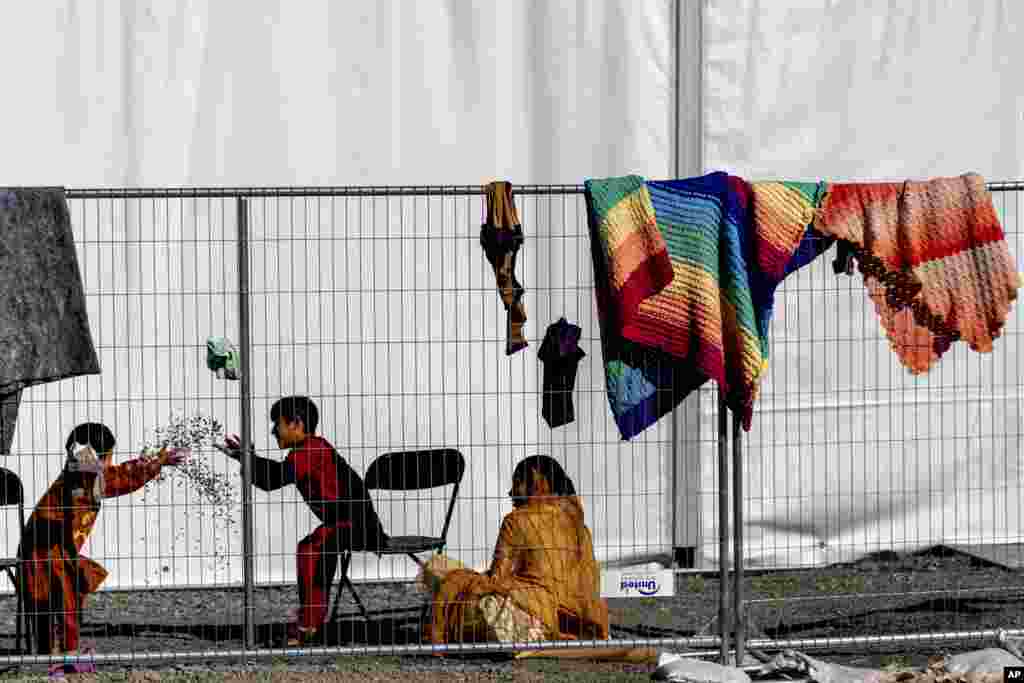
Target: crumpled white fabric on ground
<point>977,665</point>
<point>990,660</point>
<point>673,667</point>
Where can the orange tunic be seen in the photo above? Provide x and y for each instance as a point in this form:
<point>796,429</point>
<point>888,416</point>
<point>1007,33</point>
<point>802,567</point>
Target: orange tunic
<point>49,566</point>
<point>544,563</point>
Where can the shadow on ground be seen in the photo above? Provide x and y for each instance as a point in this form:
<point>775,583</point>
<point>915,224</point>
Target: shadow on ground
<point>384,627</point>
<point>955,609</point>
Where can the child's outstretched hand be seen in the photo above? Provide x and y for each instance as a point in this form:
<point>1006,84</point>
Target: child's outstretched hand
<point>232,447</point>
<point>174,456</point>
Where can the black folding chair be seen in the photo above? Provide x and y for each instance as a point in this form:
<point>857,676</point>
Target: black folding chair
<point>408,471</point>
<point>13,493</point>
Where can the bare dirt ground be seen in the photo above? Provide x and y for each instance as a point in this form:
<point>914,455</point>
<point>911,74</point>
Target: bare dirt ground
<point>886,594</point>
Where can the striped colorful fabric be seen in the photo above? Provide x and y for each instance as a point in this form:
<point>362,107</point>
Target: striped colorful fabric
<point>643,384</point>
<point>632,249</point>
<point>705,316</point>
<point>934,259</point>
<point>784,240</point>
<point>730,244</point>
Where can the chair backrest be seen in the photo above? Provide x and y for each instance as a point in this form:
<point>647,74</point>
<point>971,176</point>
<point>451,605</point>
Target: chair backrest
<point>413,470</point>
<point>11,490</point>
<point>13,493</point>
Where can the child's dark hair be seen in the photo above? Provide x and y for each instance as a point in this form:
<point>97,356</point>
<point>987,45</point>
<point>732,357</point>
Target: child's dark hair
<point>547,467</point>
<point>92,434</point>
<point>294,408</point>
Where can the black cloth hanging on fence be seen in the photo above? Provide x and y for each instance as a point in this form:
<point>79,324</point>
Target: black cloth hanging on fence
<point>501,236</point>
<point>561,355</point>
<point>843,262</point>
<point>44,327</point>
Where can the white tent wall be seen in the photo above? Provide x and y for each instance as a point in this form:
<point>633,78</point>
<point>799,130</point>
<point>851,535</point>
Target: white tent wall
<point>849,453</point>
<point>145,94</point>
<point>263,93</point>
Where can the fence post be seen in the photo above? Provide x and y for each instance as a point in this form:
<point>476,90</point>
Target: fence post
<point>737,537</point>
<point>688,161</point>
<point>723,526</point>
<point>245,350</point>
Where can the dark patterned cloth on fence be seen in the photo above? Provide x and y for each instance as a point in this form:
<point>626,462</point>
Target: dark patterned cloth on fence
<point>9,404</point>
<point>44,327</point>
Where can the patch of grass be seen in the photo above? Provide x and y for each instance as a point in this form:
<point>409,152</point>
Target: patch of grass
<point>367,664</point>
<point>840,584</point>
<point>366,668</point>
<point>776,587</point>
<point>695,583</point>
<point>557,671</point>
<point>11,677</point>
<point>894,663</point>
<point>589,677</point>
<point>278,663</point>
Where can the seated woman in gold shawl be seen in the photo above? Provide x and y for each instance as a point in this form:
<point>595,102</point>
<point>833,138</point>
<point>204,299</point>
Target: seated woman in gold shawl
<point>543,583</point>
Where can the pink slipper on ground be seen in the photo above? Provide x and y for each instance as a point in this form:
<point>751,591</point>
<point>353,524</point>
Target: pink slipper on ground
<point>297,637</point>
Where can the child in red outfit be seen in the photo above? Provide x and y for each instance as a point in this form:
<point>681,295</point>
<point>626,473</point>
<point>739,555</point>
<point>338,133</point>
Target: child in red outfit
<point>334,493</point>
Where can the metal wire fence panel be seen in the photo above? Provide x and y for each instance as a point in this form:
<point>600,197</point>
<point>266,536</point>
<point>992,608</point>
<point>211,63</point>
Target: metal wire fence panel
<point>159,275</point>
<point>884,503</point>
<point>379,305</point>
<point>385,312</point>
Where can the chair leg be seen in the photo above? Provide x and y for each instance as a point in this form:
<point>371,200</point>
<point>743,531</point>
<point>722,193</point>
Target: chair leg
<point>355,596</point>
<point>19,618</point>
<point>344,583</point>
<point>29,621</point>
<point>427,605</point>
<point>424,615</point>
<point>337,598</point>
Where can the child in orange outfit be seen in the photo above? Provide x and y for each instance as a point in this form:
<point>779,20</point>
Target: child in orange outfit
<point>56,578</point>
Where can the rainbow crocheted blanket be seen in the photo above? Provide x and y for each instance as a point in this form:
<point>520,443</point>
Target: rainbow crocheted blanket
<point>783,240</point>
<point>934,259</point>
<point>632,251</point>
<point>730,244</point>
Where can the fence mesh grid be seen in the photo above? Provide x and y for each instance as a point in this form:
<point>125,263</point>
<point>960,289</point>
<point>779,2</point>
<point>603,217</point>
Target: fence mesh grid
<point>380,306</point>
<point>894,500</point>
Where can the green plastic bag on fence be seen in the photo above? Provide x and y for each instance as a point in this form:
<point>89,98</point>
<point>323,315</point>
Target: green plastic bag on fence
<point>222,358</point>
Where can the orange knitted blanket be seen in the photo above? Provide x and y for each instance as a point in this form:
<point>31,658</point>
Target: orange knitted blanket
<point>934,259</point>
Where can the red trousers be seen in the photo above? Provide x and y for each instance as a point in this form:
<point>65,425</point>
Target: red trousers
<point>317,560</point>
<point>56,616</point>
